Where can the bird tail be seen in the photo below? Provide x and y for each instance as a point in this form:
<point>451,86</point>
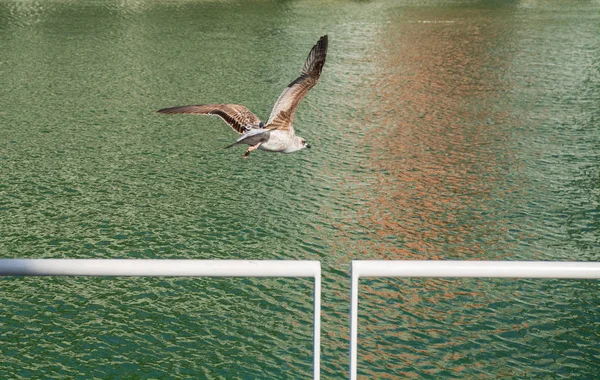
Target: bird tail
<point>252,137</point>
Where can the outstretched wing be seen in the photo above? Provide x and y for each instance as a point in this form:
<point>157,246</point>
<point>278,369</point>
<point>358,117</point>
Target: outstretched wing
<point>240,118</point>
<point>282,115</point>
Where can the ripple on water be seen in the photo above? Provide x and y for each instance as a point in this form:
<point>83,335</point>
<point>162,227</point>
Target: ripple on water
<point>438,132</point>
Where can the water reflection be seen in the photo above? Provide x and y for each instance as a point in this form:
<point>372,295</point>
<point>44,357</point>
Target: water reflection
<point>451,183</point>
<point>443,153</point>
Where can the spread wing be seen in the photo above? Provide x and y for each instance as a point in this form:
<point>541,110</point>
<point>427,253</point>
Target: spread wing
<point>240,118</point>
<point>282,115</point>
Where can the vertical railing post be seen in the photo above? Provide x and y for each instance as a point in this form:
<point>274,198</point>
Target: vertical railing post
<point>317,326</point>
<point>354,273</point>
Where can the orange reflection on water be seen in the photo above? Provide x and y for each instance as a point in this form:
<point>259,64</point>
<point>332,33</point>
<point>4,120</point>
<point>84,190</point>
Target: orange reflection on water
<point>440,145</point>
<point>443,188</point>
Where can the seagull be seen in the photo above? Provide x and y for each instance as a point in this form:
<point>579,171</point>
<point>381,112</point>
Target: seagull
<point>277,134</point>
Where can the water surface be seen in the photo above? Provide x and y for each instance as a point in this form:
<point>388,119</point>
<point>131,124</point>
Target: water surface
<point>465,130</point>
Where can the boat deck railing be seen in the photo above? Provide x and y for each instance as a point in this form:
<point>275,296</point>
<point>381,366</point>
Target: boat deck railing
<point>469,269</point>
<point>179,268</point>
<point>301,268</point>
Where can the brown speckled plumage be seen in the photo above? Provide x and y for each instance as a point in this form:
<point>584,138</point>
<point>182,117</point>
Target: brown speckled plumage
<point>243,121</point>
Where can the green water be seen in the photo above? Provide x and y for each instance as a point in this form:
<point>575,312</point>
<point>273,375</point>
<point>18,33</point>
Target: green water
<point>440,130</point>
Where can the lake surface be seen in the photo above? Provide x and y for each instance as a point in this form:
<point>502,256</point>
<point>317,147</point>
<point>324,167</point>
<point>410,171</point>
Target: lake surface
<point>440,130</point>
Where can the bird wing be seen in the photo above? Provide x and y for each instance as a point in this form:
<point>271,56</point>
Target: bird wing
<point>240,118</point>
<point>282,115</point>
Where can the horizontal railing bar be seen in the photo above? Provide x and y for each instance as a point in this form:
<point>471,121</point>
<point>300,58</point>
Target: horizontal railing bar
<point>144,267</point>
<point>499,269</point>
<point>452,268</point>
<point>179,268</point>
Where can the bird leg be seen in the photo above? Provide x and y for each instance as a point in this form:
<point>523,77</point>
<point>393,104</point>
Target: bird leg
<point>251,149</point>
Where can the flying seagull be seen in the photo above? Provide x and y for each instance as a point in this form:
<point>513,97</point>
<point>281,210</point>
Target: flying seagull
<point>277,134</point>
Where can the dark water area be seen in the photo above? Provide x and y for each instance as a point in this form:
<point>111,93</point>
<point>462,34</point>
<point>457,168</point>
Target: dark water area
<point>440,130</point>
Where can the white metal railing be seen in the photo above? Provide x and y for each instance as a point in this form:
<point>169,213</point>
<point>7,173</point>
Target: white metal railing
<point>292,268</point>
<point>443,268</point>
<point>178,268</point>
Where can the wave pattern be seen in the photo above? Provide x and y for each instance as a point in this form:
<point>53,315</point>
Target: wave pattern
<point>484,150</point>
<point>438,131</point>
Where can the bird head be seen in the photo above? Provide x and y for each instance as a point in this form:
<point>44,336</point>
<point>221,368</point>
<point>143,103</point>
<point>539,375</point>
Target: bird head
<point>298,143</point>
